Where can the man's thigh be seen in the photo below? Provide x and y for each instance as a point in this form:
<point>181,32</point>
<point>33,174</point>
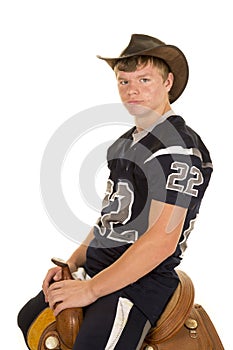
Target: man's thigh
<point>30,312</point>
<point>112,322</point>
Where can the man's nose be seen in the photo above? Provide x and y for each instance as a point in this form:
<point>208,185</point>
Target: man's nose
<point>132,89</point>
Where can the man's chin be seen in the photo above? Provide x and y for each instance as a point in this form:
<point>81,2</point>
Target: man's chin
<point>137,110</point>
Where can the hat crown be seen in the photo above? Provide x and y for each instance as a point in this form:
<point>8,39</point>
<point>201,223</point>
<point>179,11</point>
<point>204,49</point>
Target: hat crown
<point>141,42</point>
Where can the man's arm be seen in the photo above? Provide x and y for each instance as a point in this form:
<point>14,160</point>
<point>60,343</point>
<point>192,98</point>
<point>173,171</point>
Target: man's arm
<point>157,244</point>
<point>78,258</point>
<point>153,247</point>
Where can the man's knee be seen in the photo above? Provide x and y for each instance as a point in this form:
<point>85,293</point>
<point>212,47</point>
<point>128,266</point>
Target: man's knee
<point>30,311</point>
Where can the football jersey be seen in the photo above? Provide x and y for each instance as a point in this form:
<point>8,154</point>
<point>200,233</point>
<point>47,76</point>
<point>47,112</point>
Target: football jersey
<point>169,164</point>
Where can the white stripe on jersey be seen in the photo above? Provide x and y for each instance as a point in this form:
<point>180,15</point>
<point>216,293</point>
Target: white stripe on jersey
<point>186,233</point>
<point>175,150</point>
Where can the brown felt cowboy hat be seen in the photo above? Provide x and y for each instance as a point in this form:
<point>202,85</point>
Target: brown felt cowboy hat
<point>145,45</point>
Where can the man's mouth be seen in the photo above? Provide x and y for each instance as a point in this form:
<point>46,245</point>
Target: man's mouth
<point>136,102</point>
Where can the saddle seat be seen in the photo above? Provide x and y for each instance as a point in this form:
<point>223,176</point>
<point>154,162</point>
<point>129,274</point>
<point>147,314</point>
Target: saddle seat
<point>50,333</point>
<point>175,315</point>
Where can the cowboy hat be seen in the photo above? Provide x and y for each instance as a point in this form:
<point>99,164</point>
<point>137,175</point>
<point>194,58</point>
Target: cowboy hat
<point>145,45</point>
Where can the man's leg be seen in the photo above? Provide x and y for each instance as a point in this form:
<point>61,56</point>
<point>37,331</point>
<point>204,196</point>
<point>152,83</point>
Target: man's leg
<point>112,322</point>
<point>30,311</point>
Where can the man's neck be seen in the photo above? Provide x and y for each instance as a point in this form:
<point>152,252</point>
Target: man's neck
<point>146,120</point>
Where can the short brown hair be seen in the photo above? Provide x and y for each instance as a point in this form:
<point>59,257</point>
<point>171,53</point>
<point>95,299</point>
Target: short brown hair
<point>130,64</point>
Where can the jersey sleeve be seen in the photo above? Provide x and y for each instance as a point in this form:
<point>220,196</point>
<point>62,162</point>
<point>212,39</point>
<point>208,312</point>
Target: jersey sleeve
<point>177,179</point>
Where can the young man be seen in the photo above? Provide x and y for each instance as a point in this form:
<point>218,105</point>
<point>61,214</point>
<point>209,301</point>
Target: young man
<point>159,171</point>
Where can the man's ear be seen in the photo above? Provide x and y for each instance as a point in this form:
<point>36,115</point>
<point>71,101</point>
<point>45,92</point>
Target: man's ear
<point>169,81</point>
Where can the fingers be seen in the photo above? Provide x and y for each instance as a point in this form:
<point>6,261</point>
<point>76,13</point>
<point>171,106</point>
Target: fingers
<point>56,286</point>
<point>59,307</point>
<point>52,274</point>
<point>69,293</point>
<point>57,276</point>
<point>56,297</point>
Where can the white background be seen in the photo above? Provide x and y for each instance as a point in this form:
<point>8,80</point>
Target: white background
<point>49,72</point>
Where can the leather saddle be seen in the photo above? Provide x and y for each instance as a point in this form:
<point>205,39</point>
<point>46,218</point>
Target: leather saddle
<point>50,333</point>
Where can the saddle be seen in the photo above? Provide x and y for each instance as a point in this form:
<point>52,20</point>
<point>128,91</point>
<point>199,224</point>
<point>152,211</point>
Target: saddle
<point>183,324</point>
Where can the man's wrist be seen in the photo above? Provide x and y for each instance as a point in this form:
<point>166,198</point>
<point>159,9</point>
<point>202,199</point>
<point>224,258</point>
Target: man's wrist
<point>94,290</point>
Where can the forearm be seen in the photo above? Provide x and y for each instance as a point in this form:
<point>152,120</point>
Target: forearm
<point>124,271</point>
<point>142,257</point>
<point>78,258</point>
<point>128,269</point>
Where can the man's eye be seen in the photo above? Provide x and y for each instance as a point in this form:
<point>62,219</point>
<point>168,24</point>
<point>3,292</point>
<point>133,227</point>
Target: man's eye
<point>144,80</point>
<point>123,82</point>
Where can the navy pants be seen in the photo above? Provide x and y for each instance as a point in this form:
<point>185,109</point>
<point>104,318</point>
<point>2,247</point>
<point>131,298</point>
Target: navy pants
<point>112,322</point>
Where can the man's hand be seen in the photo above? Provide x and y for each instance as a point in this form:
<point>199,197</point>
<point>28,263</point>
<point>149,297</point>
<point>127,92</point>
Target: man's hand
<point>53,274</point>
<point>69,293</point>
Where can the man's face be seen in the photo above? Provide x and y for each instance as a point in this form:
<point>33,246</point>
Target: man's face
<point>144,90</point>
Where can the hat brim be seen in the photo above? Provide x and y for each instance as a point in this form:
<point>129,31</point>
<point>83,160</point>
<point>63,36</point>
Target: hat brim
<point>174,58</point>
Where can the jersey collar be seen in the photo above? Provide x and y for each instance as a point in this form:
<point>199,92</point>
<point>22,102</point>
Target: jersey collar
<point>137,136</point>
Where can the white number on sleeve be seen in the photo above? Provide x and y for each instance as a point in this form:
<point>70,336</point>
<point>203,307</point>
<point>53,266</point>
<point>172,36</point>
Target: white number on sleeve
<point>182,171</point>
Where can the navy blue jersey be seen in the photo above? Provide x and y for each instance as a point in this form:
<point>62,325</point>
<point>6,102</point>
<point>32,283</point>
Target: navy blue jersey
<point>170,164</point>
